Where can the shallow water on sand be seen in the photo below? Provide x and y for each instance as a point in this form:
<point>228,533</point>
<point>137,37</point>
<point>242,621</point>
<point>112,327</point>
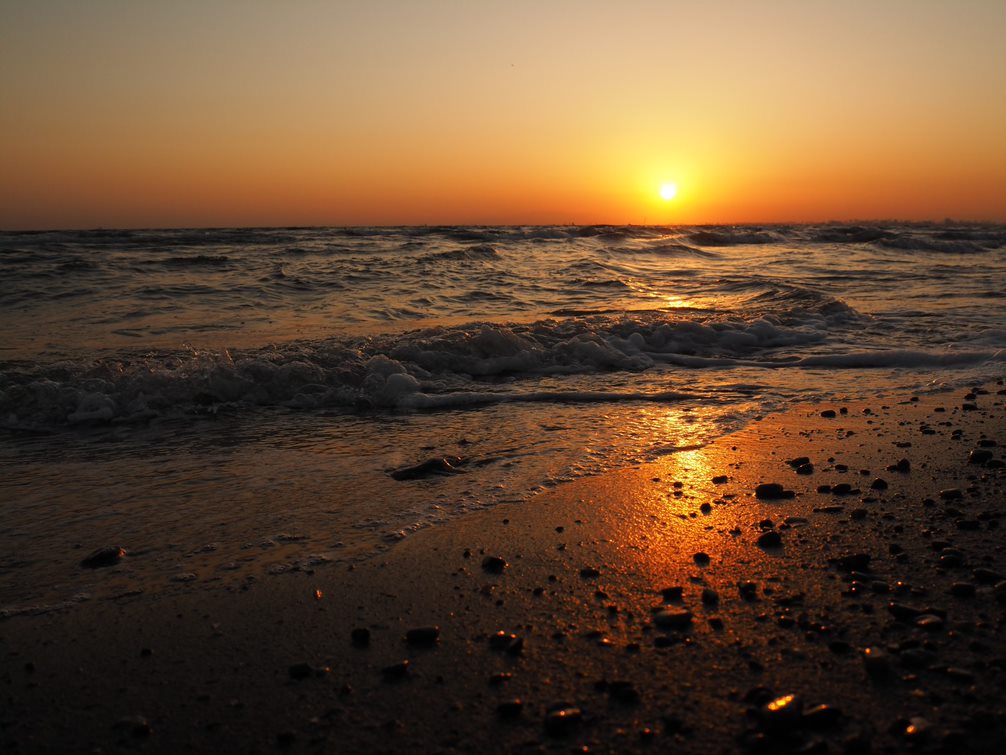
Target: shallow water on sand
<point>226,404</point>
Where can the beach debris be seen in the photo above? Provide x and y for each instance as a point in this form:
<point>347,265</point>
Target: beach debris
<point>494,564</point>
<point>423,636</point>
<point>110,555</point>
<point>442,465</point>
<point>772,491</point>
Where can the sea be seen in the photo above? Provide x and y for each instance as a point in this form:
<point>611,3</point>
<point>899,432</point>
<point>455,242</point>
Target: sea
<point>227,405</point>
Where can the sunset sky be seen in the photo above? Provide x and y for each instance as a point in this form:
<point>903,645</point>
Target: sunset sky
<point>245,112</point>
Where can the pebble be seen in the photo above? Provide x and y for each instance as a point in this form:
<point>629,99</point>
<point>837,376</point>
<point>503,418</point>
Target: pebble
<point>979,456</point>
<point>877,662</point>
<point>853,562</point>
<point>842,488</point>
<point>108,556</point>
<point>510,708</point>
<point>702,559</point>
<point>589,572</point>
<point>805,469</point>
<point>673,618</point>
<point>423,636</point>
<point>879,484</point>
<point>962,590</point>
<point>672,593</point>
<point>710,596</point>
<point>494,564</point>
<point>720,479</point>
<point>951,494</point>
<point>770,539</point>
<point>395,671</point>
<point>822,717</point>
<point>929,622</point>
<point>300,670</point>
<point>360,637</point>
<point>781,714</point>
<point>828,414</point>
<point>562,720</point>
<point>138,726</point>
<point>623,692</point>
<point>772,491</point>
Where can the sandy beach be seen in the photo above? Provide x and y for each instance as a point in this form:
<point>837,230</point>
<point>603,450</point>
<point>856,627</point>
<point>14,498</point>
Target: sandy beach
<point>857,606</point>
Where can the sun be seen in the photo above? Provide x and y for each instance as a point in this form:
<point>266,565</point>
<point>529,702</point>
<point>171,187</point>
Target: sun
<point>668,192</point>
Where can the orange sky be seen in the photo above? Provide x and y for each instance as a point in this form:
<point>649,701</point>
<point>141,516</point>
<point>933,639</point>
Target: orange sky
<point>217,113</point>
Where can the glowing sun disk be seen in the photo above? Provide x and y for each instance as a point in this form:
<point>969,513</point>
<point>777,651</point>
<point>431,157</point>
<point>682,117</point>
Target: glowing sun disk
<point>668,191</point>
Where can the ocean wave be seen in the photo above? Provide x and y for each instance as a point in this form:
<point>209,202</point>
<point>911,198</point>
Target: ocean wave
<point>476,253</point>
<point>732,237</point>
<point>911,242</point>
<point>396,371</point>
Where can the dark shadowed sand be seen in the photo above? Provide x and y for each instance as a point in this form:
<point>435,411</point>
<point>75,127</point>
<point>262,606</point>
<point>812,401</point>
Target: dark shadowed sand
<point>662,608</point>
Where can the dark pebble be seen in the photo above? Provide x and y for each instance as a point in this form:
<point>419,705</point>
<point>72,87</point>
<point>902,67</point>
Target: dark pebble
<point>301,670</point>
<point>879,484</point>
<point>781,714</point>
<point>395,671</point>
<point>623,692</point>
<point>423,636</point>
<point>710,596</point>
<point>951,494</point>
<point>510,708</point>
<point>673,618</point>
<point>772,491</point>
<point>842,488</point>
<point>799,461</point>
<point>853,562</point>
<point>494,564</point>
<point>828,414</point>
<point>805,469</point>
<point>672,593</point>
<point>720,479</point>
<point>822,717</point>
<point>702,559</point>
<point>748,590</point>
<point>588,572</point>
<point>107,556</point>
<point>360,637</point>
<point>561,721</point>
<point>979,456</point>
<point>962,590</point>
<point>770,539</point>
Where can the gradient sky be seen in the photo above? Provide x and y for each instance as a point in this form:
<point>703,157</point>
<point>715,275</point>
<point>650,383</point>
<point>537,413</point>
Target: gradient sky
<point>120,113</point>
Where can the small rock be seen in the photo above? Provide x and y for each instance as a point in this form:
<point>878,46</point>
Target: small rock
<point>710,596</point>
<point>770,539</point>
<point>108,556</point>
<point>589,572</point>
<point>951,494</point>
<point>805,469</point>
<point>494,564</point>
<point>561,721</point>
<point>979,456</point>
<point>828,414</point>
<point>877,662</point>
<point>702,559</point>
<point>720,479</point>
<point>781,714</point>
<point>842,488</point>
<point>673,618</point>
<point>300,670</point>
<point>137,726</point>
<point>879,484</point>
<point>853,562</point>
<point>772,491</point>
<point>423,636</point>
<point>510,708</point>
<point>360,637</point>
<point>962,590</point>
<point>396,671</point>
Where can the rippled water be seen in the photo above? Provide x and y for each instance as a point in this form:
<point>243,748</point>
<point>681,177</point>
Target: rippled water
<point>228,401</point>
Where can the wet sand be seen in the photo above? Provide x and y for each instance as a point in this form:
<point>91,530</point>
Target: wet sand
<point>661,608</point>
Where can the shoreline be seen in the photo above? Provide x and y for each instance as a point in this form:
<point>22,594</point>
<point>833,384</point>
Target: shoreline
<point>608,612</point>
